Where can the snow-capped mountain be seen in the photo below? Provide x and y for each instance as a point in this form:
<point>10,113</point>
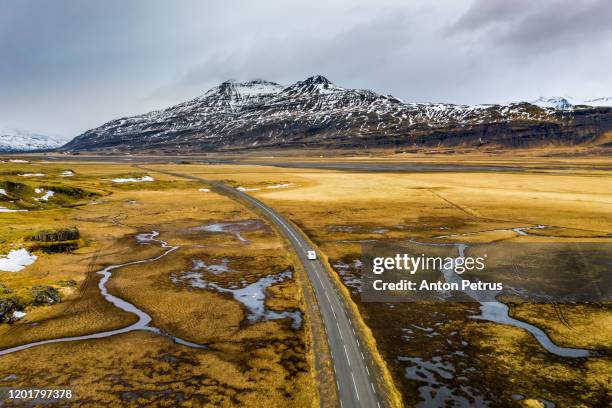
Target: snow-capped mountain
<point>605,101</point>
<point>557,102</point>
<point>317,113</point>
<point>20,140</point>
<point>567,102</point>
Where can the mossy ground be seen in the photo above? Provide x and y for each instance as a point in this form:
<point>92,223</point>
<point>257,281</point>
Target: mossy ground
<point>262,363</point>
<point>339,210</point>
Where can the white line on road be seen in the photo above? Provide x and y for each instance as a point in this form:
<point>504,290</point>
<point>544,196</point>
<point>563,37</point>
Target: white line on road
<point>355,385</point>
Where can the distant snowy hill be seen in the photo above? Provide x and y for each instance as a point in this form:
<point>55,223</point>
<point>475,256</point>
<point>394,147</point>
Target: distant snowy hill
<point>567,102</point>
<point>316,113</point>
<point>20,140</point>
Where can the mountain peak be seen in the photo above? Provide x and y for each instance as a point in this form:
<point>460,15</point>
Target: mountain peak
<point>317,80</point>
<point>557,102</point>
<point>313,85</point>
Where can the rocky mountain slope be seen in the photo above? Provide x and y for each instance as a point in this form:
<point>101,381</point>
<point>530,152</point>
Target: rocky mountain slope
<point>19,140</point>
<point>315,113</point>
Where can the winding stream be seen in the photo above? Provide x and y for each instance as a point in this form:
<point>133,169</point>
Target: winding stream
<point>495,311</point>
<point>144,319</point>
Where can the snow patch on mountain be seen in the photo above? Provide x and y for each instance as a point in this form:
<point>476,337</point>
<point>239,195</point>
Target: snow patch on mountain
<point>605,101</point>
<point>568,102</point>
<point>556,102</point>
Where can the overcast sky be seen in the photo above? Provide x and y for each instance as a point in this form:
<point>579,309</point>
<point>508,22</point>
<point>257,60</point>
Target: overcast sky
<point>70,65</point>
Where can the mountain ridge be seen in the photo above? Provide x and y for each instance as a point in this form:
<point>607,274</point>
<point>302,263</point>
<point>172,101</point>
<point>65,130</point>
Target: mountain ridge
<point>319,114</point>
<point>21,140</point>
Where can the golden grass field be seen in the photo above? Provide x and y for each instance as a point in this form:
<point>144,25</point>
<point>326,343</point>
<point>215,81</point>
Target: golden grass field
<point>266,362</point>
<point>337,210</point>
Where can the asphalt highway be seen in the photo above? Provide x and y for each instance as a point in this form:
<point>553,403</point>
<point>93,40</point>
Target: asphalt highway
<point>354,374</point>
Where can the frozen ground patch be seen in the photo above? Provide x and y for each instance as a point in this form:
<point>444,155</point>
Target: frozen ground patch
<point>31,175</point>
<point>441,387</point>
<point>252,296</point>
<point>133,179</point>
<point>9,210</point>
<point>233,227</point>
<point>46,196</point>
<point>17,314</point>
<point>222,266</point>
<point>350,273</point>
<point>67,173</point>
<point>280,185</point>
<point>147,237</point>
<point>247,188</point>
<point>16,260</point>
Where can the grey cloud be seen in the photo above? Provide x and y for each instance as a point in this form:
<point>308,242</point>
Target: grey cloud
<point>69,65</point>
<point>536,26</point>
<point>563,23</point>
<point>484,13</point>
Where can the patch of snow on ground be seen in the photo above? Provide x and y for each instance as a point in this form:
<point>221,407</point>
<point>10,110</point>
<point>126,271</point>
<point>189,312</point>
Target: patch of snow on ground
<point>246,188</point>
<point>215,269</point>
<point>204,190</point>
<point>280,185</point>
<point>133,179</point>
<point>47,195</point>
<point>17,314</point>
<point>2,191</point>
<point>31,175</point>
<point>67,173</point>
<point>8,210</point>
<point>16,260</point>
<point>18,161</point>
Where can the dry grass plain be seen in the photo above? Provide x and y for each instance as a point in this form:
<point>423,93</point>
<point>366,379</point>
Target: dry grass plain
<point>437,350</point>
<point>250,363</point>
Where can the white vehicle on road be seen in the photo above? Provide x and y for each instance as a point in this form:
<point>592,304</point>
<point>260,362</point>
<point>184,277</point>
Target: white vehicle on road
<point>312,255</point>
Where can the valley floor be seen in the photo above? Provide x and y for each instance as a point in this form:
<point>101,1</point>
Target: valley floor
<point>261,353</point>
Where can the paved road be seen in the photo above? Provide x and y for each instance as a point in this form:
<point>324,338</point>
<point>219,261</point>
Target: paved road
<point>354,375</point>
